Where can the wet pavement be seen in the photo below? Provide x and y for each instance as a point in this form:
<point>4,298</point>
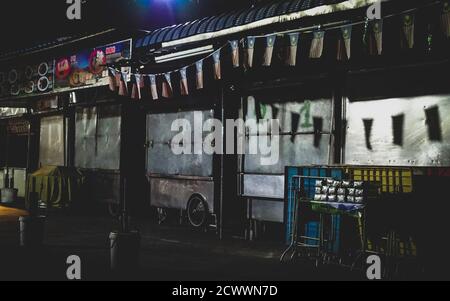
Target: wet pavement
<point>167,253</point>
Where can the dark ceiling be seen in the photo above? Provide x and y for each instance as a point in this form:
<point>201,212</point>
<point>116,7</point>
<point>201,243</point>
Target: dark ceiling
<point>24,23</point>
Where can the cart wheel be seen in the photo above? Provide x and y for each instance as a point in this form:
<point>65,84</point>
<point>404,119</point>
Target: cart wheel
<point>197,211</point>
<point>113,209</point>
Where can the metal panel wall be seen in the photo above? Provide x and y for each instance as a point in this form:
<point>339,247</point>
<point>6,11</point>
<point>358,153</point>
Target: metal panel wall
<point>413,131</point>
<point>267,186</point>
<point>295,116</point>
<point>85,129</point>
<point>175,193</point>
<point>293,151</point>
<point>304,138</point>
<point>264,210</point>
<point>97,137</point>
<point>51,141</point>
<point>161,160</point>
<point>108,137</point>
<point>160,157</point>
<point>306,127</point>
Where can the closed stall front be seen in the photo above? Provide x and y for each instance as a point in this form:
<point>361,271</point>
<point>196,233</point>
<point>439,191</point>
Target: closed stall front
<point>52,141</point>
<point>58,88</point>
<point>98,150</point>
<point>181,181</point>
<point>395,119</point>
<point>398,134</point>
<point>303,137</point>
<point>399,131</point>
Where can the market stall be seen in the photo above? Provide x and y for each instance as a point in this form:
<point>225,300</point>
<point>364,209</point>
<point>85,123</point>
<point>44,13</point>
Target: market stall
<point>98,151</point>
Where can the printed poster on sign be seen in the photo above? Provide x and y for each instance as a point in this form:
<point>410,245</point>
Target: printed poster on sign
<point>88,67</point>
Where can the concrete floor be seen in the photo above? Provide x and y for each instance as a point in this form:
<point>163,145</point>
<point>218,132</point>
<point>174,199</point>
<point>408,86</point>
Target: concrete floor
<point>167,253</point>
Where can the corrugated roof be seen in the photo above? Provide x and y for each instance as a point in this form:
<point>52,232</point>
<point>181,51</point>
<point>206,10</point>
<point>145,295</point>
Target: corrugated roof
<point>230,19</point>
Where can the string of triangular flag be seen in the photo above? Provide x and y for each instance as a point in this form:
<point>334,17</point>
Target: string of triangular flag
<point>372,39</point>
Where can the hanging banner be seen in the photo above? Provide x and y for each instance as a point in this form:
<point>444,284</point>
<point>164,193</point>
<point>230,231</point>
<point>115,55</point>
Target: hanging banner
<point>136,81</point>
<point>291,56</point>
<point>270,42</point>
<point>153,87</point>
<point>217,69</point>
<point>250,49</point>
<point>123,87</point>
<point>112,81</point>
<point>184,89</point>
<point>199,73</point>
<point>408,30</point>
<point>317,45</point>
<point>235,53</point>
<point>375,43</point>
<point>88,68</point>
<point>167,91</point>
<point>344,43</point>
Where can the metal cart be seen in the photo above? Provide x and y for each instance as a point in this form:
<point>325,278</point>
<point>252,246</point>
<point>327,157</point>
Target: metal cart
<point>320,247</point>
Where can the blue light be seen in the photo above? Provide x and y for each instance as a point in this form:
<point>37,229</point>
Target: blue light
<point>161,11</point>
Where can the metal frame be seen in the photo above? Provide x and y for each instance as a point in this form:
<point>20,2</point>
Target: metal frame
<point>216,179</point>
<point>302,242</point>
<point>334,96</point>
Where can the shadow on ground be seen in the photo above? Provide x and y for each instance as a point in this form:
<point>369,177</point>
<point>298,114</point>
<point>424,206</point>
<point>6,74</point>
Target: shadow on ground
<point>167,253</point>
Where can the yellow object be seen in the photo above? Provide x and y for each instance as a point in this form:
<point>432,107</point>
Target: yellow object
<point>56,186</point>
<point>391,180</point>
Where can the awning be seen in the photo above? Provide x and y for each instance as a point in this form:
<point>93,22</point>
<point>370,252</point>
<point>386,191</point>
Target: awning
<point>239,21</point>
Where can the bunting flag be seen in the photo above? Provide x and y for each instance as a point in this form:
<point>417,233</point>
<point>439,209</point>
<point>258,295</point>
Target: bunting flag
<point>138,82</point>
<point>270,42</point>
<point>291,56</point>
<point>250,49</point>
<point>408,30</point>
<point>217,70</point>
<point>235,53</point>
<point>136,86</point>
<point>123,88</point>
<point>199,73</point>
<point>445,18</point>
<point>377,28</point>
<point>317,45</point>
<point>118,76</point>
<point>183,82</point>
<point>344,43</point>
<point>153,87</point>
<point>112,79</point>
<point>167,91</point>
<point>372,39</point>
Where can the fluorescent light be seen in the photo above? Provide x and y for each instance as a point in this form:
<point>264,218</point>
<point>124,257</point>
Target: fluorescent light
<point>184,54</point>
